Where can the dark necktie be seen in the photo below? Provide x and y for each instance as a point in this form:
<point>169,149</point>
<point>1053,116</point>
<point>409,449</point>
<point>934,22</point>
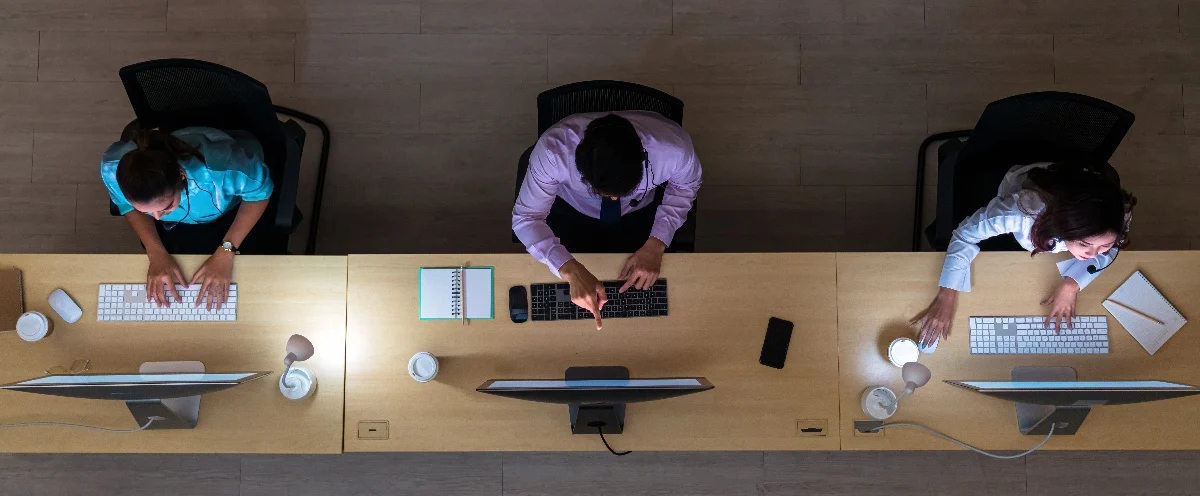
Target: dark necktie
<point>610,211</point>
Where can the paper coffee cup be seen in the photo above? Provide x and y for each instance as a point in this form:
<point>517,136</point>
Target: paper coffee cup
<point>423,367</point>
<point>902,351</point>
<point>33,326</point>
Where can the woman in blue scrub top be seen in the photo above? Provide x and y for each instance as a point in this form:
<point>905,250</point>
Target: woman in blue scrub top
<point>180,192</point>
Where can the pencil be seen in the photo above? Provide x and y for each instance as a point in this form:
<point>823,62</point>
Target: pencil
<point>462,288</point>
<point>1122,305</point>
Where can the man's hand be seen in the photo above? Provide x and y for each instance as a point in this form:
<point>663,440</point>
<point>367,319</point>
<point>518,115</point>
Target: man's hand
<point>641,270</point>
<point>215,276</point>
<point>161,278</point>
<point>1062,304</point>
<point>586,290</point>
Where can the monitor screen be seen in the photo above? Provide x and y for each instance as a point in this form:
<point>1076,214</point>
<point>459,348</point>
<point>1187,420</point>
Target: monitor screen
<point>97,379</point>
<point>1042,385</point>
<point>594,383</point>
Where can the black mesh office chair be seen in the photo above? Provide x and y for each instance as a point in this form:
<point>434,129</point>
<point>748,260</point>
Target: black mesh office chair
<point>609,96</point>
<point>171,94</point>
<point>1045,126</point>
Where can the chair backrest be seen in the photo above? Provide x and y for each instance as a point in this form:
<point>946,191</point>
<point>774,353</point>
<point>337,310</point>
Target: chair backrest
<point>603,96</point>
<point>175,93</point>
<point>1046,126</point>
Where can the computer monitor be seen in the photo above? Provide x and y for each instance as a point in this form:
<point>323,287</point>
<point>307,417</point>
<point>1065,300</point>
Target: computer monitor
<point>1052,395</point>
<point>173,398</point>
<point>595,396</point>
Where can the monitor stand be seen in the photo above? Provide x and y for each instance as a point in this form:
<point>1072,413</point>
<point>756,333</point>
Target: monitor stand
<point>611,415</point>
<point>1037,419</point>
<point>178,413</point>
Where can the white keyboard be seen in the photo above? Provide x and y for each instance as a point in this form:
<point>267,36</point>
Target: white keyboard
<point>1030,336</point>
<point>127,302</point>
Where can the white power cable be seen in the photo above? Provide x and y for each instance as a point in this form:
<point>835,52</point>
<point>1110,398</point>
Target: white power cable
<point>78,426</point>
<point>965,445</point>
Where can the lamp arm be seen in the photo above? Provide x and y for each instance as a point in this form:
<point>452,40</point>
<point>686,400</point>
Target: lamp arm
<point>288,361</point>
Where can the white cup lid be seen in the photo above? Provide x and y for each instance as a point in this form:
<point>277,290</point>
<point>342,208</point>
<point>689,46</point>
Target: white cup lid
<point>423,366</point>
<point>902,351</point>
<point>32,326</point>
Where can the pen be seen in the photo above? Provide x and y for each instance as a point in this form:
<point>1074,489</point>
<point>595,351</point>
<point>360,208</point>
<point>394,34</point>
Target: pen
<point>1122,305</point>
<point>462,300</point>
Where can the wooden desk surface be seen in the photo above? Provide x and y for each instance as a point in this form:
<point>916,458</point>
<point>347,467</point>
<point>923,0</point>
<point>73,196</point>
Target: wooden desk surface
<point>878,293</point>
<point>279,296</point>
<point>719,307</point>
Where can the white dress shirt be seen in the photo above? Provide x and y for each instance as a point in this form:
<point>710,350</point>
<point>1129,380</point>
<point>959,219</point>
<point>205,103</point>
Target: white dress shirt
<point>1014,211</point>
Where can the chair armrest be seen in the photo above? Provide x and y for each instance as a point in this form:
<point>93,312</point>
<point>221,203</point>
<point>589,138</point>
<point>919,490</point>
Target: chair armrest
<point>285,210</point>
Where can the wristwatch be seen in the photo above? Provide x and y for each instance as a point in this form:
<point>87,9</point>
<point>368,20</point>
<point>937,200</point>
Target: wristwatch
<point>228,246</point>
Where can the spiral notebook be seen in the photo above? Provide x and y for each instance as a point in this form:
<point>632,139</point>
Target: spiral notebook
<point>447,292</point>
<point>1137,305</point>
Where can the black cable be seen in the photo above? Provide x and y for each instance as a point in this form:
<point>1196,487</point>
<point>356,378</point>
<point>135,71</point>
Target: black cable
<point>600,429</point>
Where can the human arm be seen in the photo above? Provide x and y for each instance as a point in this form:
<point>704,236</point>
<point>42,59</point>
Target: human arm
<point>251,182</point>
<point>586,290</point>
<point>538,191</point>
<point>1001,215</point>
<point>683,183</point>
<point>163,272</point>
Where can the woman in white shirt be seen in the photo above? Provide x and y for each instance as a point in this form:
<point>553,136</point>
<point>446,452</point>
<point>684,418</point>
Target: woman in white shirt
<point>1047,208</point>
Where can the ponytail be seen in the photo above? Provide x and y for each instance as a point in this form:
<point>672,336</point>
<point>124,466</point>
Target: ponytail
<point>151,170</point>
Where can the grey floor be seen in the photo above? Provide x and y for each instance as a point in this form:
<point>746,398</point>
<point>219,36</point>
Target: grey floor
<point>661,474</point>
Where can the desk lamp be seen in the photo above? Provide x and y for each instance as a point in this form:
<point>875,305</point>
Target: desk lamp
<point>880,403</point>
<point>297,382</point>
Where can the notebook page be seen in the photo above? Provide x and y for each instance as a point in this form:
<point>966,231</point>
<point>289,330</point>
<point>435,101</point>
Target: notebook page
<point>1137,293</point>
<point>439,290</point>
<point>480,303</point>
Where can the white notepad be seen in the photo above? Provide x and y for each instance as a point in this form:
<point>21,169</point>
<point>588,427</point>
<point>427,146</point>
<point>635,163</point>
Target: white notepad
<point>1137,293</point>
<point>446,291</point>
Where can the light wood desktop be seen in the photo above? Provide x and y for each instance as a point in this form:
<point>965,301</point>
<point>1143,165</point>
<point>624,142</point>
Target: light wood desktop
<point>278,297</point>
<point>719,307</point>
<point>878,293</point>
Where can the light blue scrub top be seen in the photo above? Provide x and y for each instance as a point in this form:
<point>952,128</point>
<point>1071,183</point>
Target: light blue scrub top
<point>233,171</point>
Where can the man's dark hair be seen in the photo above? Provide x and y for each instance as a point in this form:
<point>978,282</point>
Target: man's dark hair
<point>610,156</point>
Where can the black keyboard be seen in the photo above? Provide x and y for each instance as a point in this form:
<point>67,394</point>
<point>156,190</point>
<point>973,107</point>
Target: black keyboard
<point>552,301</point>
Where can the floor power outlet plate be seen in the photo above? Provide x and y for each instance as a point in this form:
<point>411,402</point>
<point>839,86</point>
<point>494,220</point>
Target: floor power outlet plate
<point>812,428</point>
<point>862,428</point>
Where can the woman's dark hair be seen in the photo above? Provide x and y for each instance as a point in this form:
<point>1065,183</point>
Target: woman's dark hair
<point>152,170</point>
<point>1081,201</point>
<point>610,156</point>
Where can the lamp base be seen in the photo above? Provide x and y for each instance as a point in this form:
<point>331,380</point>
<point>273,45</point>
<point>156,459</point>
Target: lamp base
<point>303,383</point>
<point>879,402</point>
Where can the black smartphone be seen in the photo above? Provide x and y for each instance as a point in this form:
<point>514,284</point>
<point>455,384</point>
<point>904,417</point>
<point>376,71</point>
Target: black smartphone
<point>775,346</point>
<point>518,304</point>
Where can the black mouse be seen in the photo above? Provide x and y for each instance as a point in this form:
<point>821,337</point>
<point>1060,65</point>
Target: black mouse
<point>518,304</point>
